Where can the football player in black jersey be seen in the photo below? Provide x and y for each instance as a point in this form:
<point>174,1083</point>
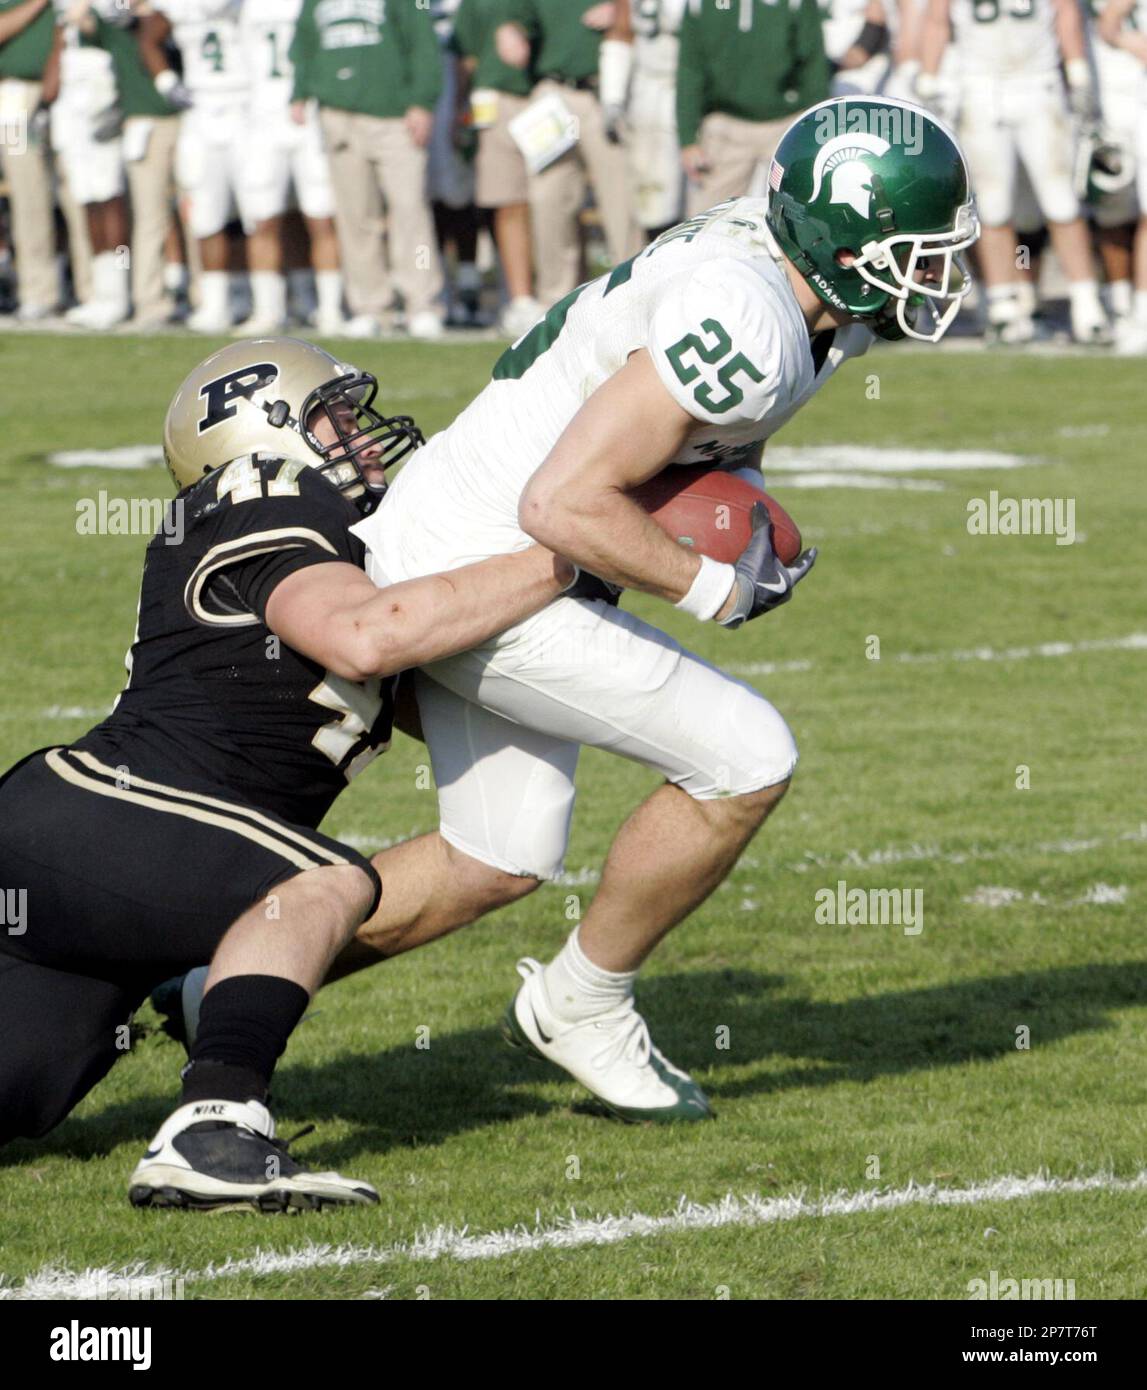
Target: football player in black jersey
<point>182,829</point>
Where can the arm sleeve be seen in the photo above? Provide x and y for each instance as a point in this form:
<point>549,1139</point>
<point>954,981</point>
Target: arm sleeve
<point>717,344</point>
<point>691,103</point>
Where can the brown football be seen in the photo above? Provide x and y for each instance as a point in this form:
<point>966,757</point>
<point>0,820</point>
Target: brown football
<point>709,512</point>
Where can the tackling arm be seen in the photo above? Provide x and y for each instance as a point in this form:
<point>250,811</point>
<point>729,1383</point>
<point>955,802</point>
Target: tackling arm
<point>335,615</point>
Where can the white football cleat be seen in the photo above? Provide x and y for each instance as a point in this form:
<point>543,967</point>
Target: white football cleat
<point>361,326</point>
<point>255,327</point>
<point>519,316</point>
<point>97,314</point>
<point>219,1154</point>
<point>426,326</point>
<point>1131,338</point>
<point>611,1054</point>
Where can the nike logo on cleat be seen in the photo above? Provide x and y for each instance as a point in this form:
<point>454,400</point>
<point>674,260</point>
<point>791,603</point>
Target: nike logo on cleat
<point>541,1031</point>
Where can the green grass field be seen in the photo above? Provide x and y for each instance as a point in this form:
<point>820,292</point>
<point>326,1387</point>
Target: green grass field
<point>859,1059</point>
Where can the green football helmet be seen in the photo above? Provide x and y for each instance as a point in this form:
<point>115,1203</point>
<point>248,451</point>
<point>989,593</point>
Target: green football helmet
<point>869,198</point>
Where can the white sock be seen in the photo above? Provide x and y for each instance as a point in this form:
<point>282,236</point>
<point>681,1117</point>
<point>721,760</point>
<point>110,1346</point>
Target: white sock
<point>1084,295</point>
<point>118,283</point>
<point>579,989</point>
<point>1140,309</point>
<point>1118,296</point>
<point>269,296</point>
<point>1003,303</point>
<point>103,277</point>
<point>215,294</point>
<point>174,277</point>
<point>1026,298</point>
<point>329,284</point>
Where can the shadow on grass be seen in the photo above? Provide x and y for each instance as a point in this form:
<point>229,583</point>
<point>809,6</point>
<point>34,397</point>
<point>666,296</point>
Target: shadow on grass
<point>405,1097</point>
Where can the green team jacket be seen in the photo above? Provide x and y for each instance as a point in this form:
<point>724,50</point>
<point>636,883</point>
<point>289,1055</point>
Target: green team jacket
<point>376,57</point>
<point>751,59</point>
<point>137,94</point>
<point>26,53</point>
<point>475,24</point>
<point>563,47</point>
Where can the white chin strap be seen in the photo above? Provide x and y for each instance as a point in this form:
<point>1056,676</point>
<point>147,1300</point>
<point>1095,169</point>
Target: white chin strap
<point>878,264</point>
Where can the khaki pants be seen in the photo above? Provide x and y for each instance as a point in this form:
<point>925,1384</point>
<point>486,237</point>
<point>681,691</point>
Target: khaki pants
<point>557,194</point>
<point>29,172</point>
<point>735,150</point>
<point>151,180</point>
<point>379,180</point>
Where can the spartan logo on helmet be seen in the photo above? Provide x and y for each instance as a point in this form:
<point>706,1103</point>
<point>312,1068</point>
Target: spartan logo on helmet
<point>221,394</point>
<point>842,160</point>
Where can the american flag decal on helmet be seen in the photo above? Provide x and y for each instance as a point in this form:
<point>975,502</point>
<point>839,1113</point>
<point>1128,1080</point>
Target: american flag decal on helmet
<point>776,173</point>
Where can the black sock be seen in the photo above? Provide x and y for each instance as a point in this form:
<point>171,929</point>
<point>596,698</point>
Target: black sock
<point>244,1024</point>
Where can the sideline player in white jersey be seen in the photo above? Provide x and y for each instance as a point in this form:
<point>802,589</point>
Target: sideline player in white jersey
<point>212,147</point>
<point>1105,175</point>
<point>694,351</point>
<point>858,36</point>
<point>651,112</point>
<point>1013,108</point>
<point>283,154</point>
<point>1124,25</point>
<point>80,87</point>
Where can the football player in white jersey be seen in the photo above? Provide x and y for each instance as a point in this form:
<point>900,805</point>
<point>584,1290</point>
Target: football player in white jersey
<point>283,153</point>
<point>1013,107</point>
<point>1123,24</point>
<point>694,351</point>
<point>858,43</point>
<point>80,86</point>
<point>212,147</point>
<point>651,112</point>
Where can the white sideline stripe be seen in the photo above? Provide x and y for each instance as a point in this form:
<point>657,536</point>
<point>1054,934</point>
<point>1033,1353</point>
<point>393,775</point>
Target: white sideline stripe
<point>861,480</point>
<point>130,456</point>
<point>838,458</point>
<point>1133,642</point>
<point>902,854</point>
<point>572,1233</point>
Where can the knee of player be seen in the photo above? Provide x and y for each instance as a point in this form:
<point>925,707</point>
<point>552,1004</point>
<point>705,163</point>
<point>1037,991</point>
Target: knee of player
<point>484,886</point>
<point>759,757</point>
<point>356,888</point>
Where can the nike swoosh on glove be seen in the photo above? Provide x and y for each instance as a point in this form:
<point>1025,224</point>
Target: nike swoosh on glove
<point>763,582</point>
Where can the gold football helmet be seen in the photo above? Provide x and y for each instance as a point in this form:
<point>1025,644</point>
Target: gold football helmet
<point>265,395</point>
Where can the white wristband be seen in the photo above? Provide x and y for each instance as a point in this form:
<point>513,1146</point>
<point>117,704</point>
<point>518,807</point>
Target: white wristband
<point>165,81</point>
<point>1078,72</point>
<point>710,588</point>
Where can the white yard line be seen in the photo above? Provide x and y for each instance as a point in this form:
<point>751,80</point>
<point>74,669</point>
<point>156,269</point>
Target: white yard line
<point>572,1233</point>
<point>1133,642</point>
<point>857,458</point>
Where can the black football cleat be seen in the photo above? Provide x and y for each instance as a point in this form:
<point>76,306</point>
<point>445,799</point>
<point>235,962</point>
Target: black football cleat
<point>216,1155</point>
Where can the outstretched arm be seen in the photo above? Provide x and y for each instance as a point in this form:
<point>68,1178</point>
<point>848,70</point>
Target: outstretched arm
<point>335,615</point>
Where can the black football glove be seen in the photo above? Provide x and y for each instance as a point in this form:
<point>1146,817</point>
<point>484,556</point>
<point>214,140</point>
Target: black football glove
<point>762,581</point>
<point>589,586</point>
